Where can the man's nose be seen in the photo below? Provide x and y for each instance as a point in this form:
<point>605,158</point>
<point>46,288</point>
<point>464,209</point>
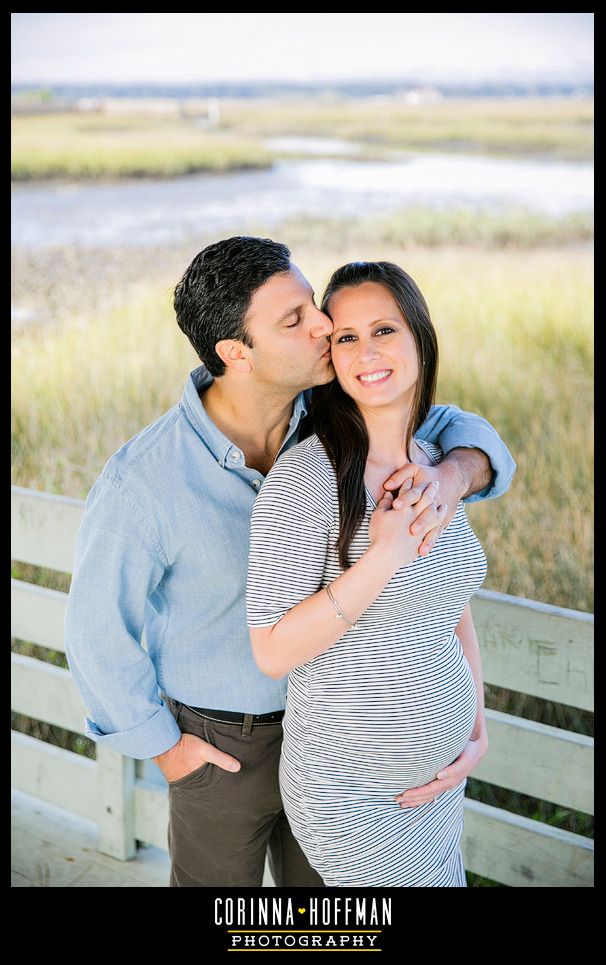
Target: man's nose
<point>321,326</point>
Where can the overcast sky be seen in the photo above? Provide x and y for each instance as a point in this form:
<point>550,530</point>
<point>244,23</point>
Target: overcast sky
<point>190,47</point>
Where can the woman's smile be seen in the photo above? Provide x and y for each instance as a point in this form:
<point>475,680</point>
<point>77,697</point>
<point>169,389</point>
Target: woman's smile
<point>374,378</point>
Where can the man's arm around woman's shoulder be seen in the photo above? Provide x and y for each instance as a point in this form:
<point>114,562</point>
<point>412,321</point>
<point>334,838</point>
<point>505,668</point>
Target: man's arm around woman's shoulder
<point>452,428</point>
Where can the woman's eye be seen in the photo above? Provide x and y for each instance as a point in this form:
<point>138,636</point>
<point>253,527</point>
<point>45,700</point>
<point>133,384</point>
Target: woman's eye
<point>386,330</point>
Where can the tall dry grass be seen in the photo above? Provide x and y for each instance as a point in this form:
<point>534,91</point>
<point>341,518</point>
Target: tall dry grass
<point>90,145</point>
<point>551,127</point>
<point>97,146</point>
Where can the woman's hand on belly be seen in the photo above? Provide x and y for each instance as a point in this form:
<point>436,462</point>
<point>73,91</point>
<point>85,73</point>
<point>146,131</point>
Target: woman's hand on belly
<point>448,777</point>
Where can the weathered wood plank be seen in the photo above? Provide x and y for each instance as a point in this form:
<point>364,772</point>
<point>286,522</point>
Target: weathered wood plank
<point>54,774</point>
<point>522,853</point>
<point>43,528</point>
<point>38,615</point>
<point>116,789</point>
<point>45,692</point>
<point>542,761</point>
<point>151,813</point>
<point>535,648</point>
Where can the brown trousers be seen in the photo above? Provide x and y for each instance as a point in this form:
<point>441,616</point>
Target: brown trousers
<point>222,824</point>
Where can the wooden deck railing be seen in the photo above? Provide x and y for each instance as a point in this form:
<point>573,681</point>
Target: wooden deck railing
<point>529,647</point>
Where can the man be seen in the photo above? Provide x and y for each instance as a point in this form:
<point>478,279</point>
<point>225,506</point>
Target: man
<point>163,547</point>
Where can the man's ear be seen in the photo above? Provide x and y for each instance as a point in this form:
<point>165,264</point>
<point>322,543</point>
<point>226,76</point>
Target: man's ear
<point>234,355</point>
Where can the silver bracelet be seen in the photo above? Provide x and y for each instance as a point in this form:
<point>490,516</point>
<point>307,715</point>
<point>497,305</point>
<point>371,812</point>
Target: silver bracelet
<point>339,612</point>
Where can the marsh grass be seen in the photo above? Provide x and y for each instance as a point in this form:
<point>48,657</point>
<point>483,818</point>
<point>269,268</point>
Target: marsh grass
<point>420,226</point>
<point>89,145</point>
<point>52,284</point>
<point>550,127</point>
<point>95,146</point>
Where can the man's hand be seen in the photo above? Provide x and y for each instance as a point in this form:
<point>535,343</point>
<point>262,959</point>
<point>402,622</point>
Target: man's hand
<point>189,754</point>
<point>450,492</point>
<point>448,777</point>
<point>461,473</point>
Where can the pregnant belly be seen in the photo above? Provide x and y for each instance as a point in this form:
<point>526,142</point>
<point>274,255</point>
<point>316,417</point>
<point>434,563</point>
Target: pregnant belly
<point>400,728</point>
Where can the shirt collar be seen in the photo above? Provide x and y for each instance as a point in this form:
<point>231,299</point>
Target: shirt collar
<point>221,447</point>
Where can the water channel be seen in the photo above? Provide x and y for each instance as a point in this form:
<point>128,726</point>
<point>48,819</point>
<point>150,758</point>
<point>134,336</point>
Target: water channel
<point>154,211</point>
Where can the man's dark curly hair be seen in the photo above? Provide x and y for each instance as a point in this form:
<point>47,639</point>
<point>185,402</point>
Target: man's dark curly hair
<point>213,297</point>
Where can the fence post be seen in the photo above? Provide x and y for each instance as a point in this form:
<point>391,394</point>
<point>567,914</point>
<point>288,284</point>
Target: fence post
<point>116,790</point>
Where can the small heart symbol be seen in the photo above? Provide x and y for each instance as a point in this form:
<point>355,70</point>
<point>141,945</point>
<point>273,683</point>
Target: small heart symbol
<point>301,910</point>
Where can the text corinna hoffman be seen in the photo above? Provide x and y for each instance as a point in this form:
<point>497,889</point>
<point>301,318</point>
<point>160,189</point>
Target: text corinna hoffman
<point>308,913</point>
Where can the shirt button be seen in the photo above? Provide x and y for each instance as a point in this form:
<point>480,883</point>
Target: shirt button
<point>256,483</point>
<point>236,457</point>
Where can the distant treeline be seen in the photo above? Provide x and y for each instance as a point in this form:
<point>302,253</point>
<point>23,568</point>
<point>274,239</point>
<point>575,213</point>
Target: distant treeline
<point>282,89</point>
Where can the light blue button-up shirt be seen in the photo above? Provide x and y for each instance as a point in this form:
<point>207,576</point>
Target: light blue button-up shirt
<point>162,557</point>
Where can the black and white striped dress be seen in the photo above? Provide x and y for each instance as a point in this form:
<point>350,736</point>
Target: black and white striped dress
<point>384,708</point>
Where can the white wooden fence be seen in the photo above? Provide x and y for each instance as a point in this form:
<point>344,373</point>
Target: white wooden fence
<point>529,647</point>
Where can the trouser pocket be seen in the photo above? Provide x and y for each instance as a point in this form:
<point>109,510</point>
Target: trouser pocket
<point>190,723</point>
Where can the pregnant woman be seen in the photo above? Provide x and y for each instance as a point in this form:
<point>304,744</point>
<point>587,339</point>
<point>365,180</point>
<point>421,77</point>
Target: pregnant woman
<point>385,713</point>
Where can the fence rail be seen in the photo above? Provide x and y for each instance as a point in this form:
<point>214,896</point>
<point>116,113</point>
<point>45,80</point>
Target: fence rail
<point>527,646</point>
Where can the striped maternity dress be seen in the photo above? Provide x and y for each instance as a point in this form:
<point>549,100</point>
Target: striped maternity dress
<point>384,708</point>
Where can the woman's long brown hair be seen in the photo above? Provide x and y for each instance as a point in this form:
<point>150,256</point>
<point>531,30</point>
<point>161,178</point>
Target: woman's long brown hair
<point>336,418</point>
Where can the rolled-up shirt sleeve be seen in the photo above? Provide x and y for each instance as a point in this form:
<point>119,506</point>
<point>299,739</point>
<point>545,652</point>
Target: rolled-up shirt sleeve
<point>118,564</point>
<point>453,428</point>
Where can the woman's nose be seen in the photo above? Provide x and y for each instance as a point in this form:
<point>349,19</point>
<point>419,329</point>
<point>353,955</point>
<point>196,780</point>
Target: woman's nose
<point>367,350</point>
